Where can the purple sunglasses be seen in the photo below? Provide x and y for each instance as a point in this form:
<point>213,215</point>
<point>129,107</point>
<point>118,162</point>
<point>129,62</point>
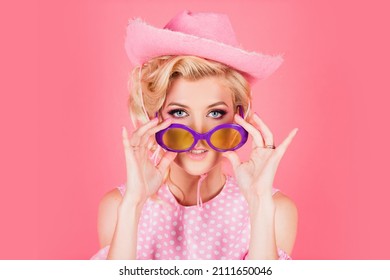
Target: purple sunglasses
<point>181,138</point>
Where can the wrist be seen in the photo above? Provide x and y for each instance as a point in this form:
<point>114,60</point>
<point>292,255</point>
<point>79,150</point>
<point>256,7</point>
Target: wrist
<point>131,206</point>
<point>256,197</point>
<point>263,203</point>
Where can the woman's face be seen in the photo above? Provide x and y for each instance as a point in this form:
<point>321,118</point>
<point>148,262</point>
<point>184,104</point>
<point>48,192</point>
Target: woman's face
<point>201,105</point>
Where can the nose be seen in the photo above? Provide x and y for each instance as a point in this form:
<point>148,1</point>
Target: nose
<point>200,125</point>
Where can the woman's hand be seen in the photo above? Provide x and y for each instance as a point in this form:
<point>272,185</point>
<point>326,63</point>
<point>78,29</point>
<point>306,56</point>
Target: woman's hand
<point>143,177</point>
<point>255,177</point>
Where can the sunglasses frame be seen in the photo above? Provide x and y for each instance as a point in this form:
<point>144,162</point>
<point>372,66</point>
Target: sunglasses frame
<point>204,136</point>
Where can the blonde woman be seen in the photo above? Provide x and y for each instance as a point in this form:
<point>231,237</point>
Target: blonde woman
<point>190,99</point>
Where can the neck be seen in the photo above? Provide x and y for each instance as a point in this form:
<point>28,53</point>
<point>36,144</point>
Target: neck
<point>184,185</point>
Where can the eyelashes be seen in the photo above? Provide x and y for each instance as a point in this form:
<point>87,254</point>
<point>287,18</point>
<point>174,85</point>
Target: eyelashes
<point>220,112</point>
<point>177,113</point>
<point>180,113</point>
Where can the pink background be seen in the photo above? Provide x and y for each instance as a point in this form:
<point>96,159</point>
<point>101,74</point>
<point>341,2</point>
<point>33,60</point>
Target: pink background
<point>64,85</point>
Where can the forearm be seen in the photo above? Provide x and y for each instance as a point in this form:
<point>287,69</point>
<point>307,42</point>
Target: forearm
<point>263,242</point>
<point>124,241</point>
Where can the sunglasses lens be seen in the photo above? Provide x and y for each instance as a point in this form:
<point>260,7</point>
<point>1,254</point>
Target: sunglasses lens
<point>178,139</point>
<point>226,138</point>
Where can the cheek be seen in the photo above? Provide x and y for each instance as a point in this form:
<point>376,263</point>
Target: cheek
<point>214,155</point>
<point>217,155</point>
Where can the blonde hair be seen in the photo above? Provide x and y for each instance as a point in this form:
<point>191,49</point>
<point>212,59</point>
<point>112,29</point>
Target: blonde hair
<point>150,83</point>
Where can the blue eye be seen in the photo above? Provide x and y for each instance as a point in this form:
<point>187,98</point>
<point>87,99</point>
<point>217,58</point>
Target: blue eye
<point>217,114</point>
<point>178,113</point>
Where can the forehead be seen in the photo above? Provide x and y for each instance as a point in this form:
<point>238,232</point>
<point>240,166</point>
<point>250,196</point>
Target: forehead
<point>200,93</point>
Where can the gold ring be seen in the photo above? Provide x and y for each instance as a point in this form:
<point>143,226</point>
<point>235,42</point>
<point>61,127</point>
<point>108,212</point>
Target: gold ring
<point>269,146</point>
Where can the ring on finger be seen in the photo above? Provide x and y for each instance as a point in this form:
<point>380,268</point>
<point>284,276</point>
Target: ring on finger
<point>270,146</point>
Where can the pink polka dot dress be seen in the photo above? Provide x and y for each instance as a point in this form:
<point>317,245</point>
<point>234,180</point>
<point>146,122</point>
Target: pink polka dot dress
<point>219,229</point>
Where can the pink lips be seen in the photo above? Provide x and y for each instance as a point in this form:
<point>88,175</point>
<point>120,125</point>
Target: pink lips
<point>197,156</point>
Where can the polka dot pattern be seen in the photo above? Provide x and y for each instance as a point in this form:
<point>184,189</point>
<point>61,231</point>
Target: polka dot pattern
<point>170,231</point>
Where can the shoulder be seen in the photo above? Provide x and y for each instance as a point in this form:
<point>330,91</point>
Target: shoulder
<point>286,221</point>
<point>284,203</point>
<point>111,197</point>
<point>107,215</point>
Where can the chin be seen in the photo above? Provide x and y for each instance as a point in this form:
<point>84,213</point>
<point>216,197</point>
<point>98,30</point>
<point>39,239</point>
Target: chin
<point>197,167</point>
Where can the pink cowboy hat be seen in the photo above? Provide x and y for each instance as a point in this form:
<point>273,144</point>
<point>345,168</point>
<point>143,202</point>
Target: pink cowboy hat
<point>207,35</point>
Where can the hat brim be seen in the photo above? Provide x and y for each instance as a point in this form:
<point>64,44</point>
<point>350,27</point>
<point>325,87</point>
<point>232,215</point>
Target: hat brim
<point>144,42</point>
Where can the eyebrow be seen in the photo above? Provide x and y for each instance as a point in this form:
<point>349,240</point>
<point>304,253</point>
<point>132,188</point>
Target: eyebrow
<point>212,105</point>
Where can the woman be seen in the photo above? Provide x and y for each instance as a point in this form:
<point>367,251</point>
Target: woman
<point>191,111</point>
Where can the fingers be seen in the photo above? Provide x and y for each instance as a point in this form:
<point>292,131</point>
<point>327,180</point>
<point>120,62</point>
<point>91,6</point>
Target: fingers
<point>281,149</point>
<point>127,147</point>
<point>125,139</point>
<point>131,145</point>
<point>265,131</point>
<point>166,161</point>
<point>136,137</point>
<point>254,132</point>
<point>137,146</point>
<point>233,158</point>
<point>151,131</point>
<point>140,137</point>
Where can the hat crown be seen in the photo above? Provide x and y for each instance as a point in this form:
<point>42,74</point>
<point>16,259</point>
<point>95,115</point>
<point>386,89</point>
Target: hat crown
<point>206,35</point>
<point>213,26</point>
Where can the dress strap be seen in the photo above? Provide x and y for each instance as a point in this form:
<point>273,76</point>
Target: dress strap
<point>199,202</point>
<point>122,189</point>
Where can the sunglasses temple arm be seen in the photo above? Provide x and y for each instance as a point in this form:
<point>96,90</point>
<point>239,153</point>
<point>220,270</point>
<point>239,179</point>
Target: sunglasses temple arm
<point>241,111</point>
